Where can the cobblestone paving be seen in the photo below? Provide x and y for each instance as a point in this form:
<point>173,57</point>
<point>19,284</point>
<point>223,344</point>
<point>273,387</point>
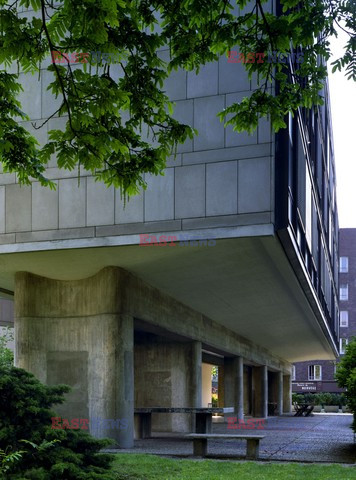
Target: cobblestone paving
<point>318,438</point>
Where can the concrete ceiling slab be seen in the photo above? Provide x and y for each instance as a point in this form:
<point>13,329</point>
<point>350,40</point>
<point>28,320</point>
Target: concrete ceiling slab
<point>246,284</point>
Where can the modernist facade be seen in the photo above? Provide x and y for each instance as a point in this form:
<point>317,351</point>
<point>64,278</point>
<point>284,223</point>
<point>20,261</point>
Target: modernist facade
<point>318,376</point>
<point>130,325</point>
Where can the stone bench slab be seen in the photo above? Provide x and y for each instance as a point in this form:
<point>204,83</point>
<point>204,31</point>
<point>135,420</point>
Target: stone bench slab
<point>200,443</point>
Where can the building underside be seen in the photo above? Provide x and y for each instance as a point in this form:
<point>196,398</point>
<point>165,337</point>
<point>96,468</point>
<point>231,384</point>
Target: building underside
<point>139,326</point>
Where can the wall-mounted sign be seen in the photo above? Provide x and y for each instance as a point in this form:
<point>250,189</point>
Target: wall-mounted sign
<point>305,386</point>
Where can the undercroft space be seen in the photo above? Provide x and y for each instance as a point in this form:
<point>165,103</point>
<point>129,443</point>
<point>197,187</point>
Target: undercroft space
<point>245,284</point>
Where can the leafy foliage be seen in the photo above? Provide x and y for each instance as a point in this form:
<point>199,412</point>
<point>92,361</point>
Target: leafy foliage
<point>323,398</point>
<point>30,448</point>
<point>119,119</point>
<point>8,459</point>
<point>6,355</point>
<point>346,377</point>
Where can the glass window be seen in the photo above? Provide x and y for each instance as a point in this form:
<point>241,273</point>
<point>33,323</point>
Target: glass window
<point>314,372</point>
<point>344,292</point>
<point>343,343</point>
<point>344,264</point>
<point>344,318</point>
<point>293,372</point>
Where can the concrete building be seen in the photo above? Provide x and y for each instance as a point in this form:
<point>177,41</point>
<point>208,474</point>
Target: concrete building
<point>318,375</point>
<point>247,282</point>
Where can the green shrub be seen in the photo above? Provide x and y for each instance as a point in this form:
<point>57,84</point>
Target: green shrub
<point>25,415</point>
<point>346,377</point>
<point>343,399</point>
<point>336,399</point>
<point>297,398</point>
<point>309,398</point>
<point>6,355</point>
<point>323,398</point>
<point>328,399</point>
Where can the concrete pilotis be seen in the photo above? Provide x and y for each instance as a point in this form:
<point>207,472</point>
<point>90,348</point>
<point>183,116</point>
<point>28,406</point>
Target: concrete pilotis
<point>221,386</point>
<point>287,394</point>
<point>260,391</point>
<point>206,385</point>
<point>196,386</point>
<point>196,375</point>
<point>125,381</point>
<point>234,393</point>
<point>73,332</point>
<point>264,393</point>
<point>279,393</point>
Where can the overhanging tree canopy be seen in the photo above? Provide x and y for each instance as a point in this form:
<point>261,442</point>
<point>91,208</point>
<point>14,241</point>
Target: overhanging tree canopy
<point>107,117</point>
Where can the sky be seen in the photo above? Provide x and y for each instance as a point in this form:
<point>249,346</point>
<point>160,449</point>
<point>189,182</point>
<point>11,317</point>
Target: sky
<point>343,111</point>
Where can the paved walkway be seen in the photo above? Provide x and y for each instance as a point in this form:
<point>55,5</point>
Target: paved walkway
<point>318,438</point>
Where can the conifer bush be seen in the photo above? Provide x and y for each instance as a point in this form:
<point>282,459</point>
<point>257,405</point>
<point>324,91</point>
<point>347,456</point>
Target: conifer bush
<point>26,427</point>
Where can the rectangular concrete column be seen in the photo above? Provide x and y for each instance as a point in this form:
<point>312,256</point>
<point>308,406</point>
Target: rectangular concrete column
<point>125,381</point>
<point>166,376</point>
<point>279,393</point>
<point>234,388</point>
<point>264,396</point>
<point>196,375</point>
<point>221,386</point>
<point>196,388</point>
<point>206,384</point>
<point>260,391</point>
<point>287,394</point>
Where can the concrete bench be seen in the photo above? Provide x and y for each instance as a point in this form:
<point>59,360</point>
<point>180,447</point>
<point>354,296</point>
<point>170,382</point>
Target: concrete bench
<point>203,417</point>
<point>200,443</point>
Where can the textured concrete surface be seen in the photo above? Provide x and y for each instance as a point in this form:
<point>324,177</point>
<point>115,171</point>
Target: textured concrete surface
<point>321,438</point>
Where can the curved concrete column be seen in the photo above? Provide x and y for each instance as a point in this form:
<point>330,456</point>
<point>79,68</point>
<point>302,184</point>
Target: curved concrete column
<point>76,333</point>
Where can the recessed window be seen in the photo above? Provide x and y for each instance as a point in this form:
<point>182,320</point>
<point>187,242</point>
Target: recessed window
<point>314,372</point>
<point>293,372</point>
<point>344,264</point>
<point>343,343</point>
<point>344,318</point>
<point>344,292</point>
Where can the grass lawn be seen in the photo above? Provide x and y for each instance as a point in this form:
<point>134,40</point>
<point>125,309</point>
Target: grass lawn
<point>150,467</point>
